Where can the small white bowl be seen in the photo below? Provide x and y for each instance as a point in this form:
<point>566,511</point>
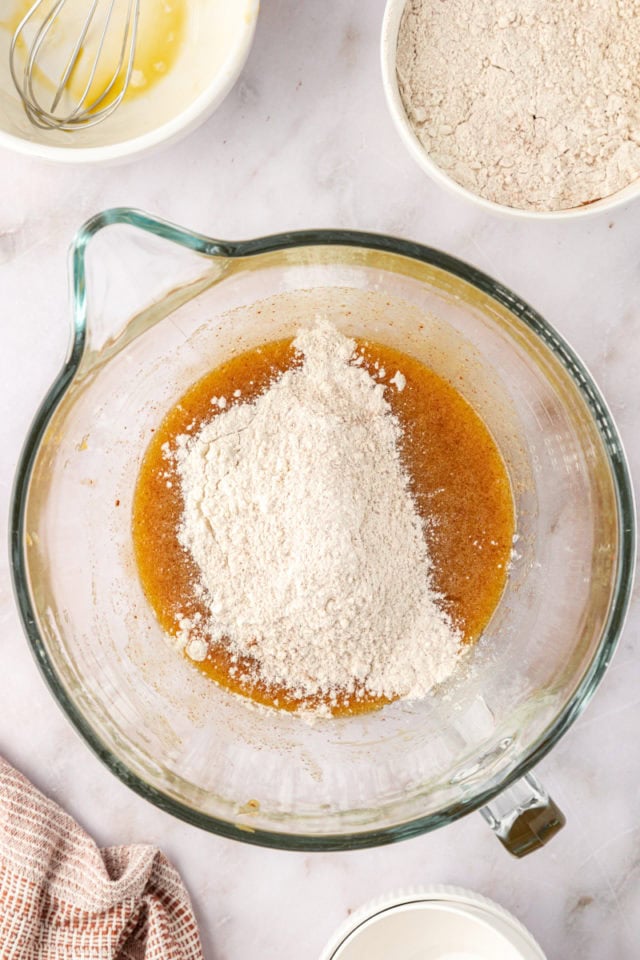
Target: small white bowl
<point>432,923</point>
<point>388,47</point>
<point>218,38</point>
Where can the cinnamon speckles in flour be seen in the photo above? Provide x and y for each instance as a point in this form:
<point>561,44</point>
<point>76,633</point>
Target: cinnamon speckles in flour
<point>313,559</point>
<point>534,104</point>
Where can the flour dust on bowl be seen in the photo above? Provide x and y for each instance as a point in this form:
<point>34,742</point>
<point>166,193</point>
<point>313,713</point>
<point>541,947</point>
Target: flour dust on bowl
<point>157,308</point>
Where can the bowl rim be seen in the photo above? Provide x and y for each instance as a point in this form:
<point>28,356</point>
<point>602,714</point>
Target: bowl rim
<point>388,47</point>
<point>174,129</point>
<point>209,247</point>
<point>456,900</point>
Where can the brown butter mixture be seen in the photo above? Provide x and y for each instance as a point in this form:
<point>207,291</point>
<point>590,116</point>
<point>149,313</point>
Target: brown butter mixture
<point>458,479</point>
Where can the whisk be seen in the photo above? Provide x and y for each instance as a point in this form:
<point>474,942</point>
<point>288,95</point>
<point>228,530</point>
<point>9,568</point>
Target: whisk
<point>66,110</point>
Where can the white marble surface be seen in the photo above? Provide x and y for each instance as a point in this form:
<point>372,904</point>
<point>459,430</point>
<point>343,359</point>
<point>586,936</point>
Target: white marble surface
<point>304,140</point>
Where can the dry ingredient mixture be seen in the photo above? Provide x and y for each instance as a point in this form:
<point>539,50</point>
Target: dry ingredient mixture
<point>291,536</point>
<point>534,104</point>
<point>297,510</point>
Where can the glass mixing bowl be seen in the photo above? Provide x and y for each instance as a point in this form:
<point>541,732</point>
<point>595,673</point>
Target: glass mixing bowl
<point>155,307</point>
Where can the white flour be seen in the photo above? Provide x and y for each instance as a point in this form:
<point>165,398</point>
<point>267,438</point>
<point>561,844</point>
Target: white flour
<point>312,555</point>
<point>530,103</point>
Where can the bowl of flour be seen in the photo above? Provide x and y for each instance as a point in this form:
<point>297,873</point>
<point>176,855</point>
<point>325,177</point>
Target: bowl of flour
<point>531,110</point>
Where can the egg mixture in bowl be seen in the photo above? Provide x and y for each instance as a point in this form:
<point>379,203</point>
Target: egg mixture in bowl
<point>189,54</point>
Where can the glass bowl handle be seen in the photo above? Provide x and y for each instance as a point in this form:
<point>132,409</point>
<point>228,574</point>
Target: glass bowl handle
<point>118,274</point>
<point>524,817</point>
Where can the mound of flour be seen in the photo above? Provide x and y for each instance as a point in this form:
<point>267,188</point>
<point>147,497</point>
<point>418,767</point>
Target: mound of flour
<point>531,103</point>
<point>313,559</point>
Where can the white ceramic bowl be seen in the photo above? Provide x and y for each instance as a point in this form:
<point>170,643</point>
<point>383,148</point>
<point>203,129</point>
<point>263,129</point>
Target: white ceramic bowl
<point>218,38</point>
<point>432,923</point>
<point>389,43</point>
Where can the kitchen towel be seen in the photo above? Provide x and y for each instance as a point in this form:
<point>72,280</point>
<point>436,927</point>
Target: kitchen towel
<point>63,898</point>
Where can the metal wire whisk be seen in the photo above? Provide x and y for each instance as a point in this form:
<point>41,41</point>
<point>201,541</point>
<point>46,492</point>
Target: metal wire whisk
<point>65,111</point>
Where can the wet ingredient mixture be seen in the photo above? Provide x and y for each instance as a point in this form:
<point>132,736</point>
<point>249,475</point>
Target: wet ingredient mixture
<point>427,553</point>
<point>160,36</point>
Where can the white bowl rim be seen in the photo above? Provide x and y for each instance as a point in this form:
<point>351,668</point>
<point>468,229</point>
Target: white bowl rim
<point>388,45</point>
<point>443,896</point>
<point>197,112</point>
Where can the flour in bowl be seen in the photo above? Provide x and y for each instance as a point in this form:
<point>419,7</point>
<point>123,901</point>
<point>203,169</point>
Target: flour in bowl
<point>534,104</point>
<point>312,555</point>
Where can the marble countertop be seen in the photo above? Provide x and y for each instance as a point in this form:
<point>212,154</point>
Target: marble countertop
<point>304,140</point>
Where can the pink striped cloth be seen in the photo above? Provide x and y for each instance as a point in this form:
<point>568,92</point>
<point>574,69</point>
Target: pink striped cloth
<point>62,898</point>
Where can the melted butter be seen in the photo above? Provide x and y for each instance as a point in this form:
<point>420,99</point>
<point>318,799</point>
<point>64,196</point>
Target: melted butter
<point>161,32</point>
<point>457,475</point>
